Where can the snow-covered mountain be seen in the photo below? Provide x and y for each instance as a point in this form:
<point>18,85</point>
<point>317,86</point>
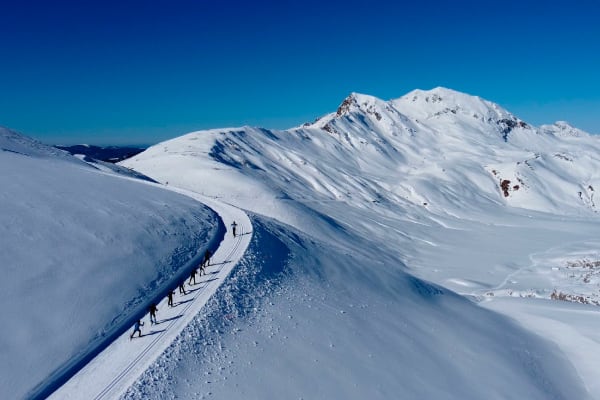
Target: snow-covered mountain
<point>437,149</point>
<point>82,252</point>
<point>351,213</point>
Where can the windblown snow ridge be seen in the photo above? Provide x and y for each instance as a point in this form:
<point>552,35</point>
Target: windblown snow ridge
<point>288,322</point>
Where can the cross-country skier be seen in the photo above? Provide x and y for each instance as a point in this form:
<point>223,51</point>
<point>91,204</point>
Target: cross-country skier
<point>137,327</point>
<point>153,309</point>
<point>193,276</point>
<point>182,287</point>
<point>206,261</point>
<point>233,226</point>
<point>170,297</point>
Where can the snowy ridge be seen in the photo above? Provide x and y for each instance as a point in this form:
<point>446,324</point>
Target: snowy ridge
<point>300,318</point>
<point>410,149</point>
<point>11,141</point>
<point>119,365</point>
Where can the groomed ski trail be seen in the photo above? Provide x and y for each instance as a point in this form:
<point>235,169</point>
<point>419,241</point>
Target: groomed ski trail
<point>115,369</point>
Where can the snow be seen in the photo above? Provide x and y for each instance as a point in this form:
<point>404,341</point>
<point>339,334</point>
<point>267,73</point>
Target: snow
<point>353,216</point>
<point>323,327</point>
<point>82,253</point>
<point>563,129</point>
<point>120,364</point>
<point>430,246</point>
<point>574,326</point>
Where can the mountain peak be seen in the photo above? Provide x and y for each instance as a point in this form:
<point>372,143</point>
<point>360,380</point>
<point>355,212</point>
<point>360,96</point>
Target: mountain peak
<point>441,96</point>
<point>437,92</point>
<point>563,129</point>
<point>356,101</point>
<point>441,100</point>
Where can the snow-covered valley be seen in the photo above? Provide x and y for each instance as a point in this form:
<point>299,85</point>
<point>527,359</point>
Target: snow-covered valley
<point>433,246</point>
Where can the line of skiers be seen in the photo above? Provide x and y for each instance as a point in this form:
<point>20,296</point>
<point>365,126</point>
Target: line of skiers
<point>152,308</point>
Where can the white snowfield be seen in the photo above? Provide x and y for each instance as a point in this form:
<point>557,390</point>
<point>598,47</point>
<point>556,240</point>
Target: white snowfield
<point>110,373</point>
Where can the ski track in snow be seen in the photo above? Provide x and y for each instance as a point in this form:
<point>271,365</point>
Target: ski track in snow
<point>110,373</point>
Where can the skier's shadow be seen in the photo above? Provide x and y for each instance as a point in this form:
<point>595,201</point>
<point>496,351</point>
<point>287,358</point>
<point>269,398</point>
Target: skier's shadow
<point>153,333</point>
<point>210,280</point>
<point>172,318</point>
<point>183,302</point>
<point>221,263</point>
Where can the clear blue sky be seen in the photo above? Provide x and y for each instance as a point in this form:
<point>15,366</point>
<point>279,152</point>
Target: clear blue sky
<point>133,72</point>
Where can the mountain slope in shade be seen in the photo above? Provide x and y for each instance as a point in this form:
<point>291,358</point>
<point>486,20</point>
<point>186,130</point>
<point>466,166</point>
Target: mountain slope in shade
<point>112,154</point>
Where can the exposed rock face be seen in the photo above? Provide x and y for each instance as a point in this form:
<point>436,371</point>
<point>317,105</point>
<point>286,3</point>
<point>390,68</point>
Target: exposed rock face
<point>507,125</point>
<point>348,102</point>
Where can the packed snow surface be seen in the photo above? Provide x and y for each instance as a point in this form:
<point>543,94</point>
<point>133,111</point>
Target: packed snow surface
<point>380,230</point>
<point>83,251</point>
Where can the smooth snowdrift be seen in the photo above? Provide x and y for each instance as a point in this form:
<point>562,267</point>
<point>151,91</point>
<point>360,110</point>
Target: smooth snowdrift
<point>436,184</point>
<point>82,252</point>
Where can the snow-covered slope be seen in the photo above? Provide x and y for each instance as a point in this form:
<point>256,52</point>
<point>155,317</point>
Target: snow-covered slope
<point>83,252</point>
<point>437,185</point>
